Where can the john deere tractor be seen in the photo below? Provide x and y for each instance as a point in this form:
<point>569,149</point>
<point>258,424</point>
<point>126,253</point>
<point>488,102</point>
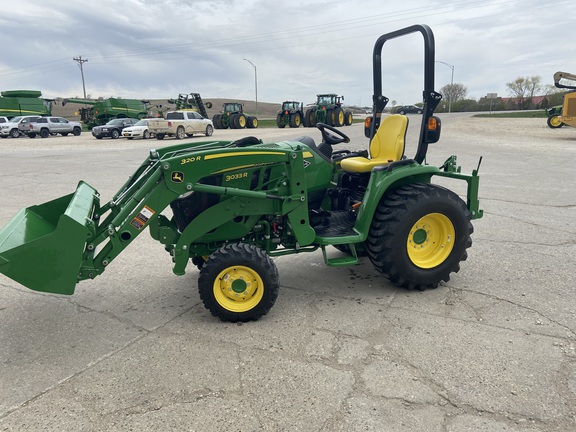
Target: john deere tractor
<point>566,113</point>
<point>229,207</point>
<point>328,109</point>
<point>233,117</point>
<point>291,114</point>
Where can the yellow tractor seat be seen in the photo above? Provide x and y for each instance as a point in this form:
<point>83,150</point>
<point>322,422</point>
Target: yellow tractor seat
<point>386,147</point>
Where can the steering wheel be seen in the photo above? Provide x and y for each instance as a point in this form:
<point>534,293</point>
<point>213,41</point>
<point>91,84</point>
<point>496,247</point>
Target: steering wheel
<point>331,135</point>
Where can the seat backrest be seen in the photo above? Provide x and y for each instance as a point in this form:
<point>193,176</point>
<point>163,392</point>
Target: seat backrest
<point>389,142</point>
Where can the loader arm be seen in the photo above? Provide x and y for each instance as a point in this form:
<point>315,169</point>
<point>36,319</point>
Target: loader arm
<point>86,237</point>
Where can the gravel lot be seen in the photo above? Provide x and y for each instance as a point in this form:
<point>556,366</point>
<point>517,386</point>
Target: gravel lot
<point>494,349</point>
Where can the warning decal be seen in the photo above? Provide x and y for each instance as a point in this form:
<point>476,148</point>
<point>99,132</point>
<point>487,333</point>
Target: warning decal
<point>141,218</point>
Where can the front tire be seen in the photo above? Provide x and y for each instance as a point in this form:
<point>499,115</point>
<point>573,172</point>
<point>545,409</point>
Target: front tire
<point>239,282</point>
<point>419,235</point>
<point>554,122</point>
<point>76,131</point>
<point>14,133</point>
<point>115,134</point>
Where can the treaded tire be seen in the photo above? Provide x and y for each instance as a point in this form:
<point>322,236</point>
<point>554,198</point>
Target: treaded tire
<point>239,282</point>
<point>553,122</point>
<point>280,121</point>
<point>392,240</point>
<point>295,120</point>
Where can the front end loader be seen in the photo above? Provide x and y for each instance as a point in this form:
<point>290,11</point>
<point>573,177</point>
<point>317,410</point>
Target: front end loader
<point>229,207</point>
<point>565,114</point>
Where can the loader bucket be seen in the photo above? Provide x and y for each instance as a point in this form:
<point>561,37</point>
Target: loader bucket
<point>42,246</point>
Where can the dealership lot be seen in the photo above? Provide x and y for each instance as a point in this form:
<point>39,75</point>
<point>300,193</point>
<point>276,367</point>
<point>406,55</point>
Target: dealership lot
<point>342,349</point>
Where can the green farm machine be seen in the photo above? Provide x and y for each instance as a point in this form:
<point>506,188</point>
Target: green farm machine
<point>233,117</point>
<point>291,114</point>
<point>101,111</point>
<point>24,102</point>
<point>566,113</point>
<point>328,109</point>
<point>192,101</point>
<point>229,207</point>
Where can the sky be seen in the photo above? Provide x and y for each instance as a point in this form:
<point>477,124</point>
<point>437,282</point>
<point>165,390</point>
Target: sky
<point>277,50</point>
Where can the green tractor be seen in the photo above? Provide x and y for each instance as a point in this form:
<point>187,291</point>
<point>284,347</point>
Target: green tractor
<point>233,117</point>
<point>328,109</point>
<point>24,102</point>
<point>564,114</point>
<point>101,111</point>
<point>291,114</point>
<point>230,207</point>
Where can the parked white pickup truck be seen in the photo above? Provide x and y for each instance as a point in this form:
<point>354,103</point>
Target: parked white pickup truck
<point>180,124</point>
<point>46,126</point>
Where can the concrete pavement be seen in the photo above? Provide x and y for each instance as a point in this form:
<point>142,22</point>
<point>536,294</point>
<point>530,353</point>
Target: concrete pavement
<point>342,349</point>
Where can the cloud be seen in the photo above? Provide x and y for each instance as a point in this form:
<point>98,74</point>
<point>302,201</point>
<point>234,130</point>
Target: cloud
<point>158,49</point>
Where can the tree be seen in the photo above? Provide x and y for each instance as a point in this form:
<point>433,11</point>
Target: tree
<point>524,88</point>
<point>453,92</point>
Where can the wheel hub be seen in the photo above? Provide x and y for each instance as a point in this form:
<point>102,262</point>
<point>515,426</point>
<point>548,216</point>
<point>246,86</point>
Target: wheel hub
<point>238,288</point>
<point>431,240</point>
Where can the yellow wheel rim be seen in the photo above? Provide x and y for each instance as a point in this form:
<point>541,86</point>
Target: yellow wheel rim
<point>340,117</point>
<point>255,122</point>
<point>431,240</point>
<point>297,120</point>
<point>555,121</point>
<point>242,121</point>
<point>238,289</point>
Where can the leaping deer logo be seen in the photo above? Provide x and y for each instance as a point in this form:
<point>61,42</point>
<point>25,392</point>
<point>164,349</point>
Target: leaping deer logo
<point>177,177</point>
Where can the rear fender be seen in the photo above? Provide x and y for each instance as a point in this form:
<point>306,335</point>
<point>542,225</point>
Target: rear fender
<point>381,182</point>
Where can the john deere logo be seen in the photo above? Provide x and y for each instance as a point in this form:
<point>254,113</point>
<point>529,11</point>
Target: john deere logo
<point>177,176</point>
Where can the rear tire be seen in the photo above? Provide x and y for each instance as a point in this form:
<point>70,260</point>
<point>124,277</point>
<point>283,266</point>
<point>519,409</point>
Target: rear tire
<point>280,121</point>
<point>348,118</point>
<point>146,134</point>
<point>338,117</point>
<point>160,136</point>
<point>241,121</point>
<point>239,282</point>
<point>252,122</point>
<point>209,130</point>
<point>310,118</point>
<point>180,133</point>
<point>295,120</point>
<point>419,235</point>
<point>44,133</point>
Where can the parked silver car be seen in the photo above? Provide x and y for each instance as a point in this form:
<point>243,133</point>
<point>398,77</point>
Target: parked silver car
<point>46,126</point>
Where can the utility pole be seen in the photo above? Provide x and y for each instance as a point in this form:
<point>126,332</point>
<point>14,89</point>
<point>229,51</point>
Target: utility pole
<point>80,62</point>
